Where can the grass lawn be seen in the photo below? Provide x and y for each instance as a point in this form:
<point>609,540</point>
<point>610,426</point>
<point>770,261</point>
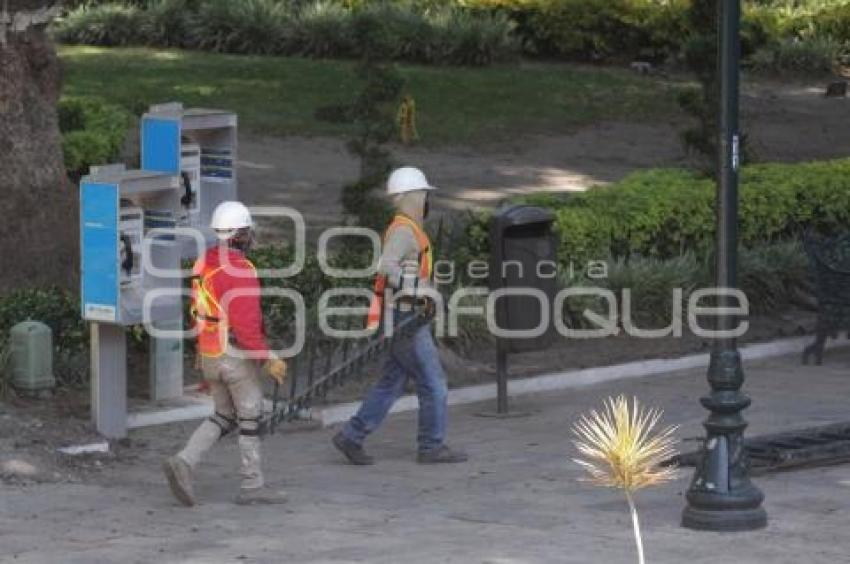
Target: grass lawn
<point>278,95</point>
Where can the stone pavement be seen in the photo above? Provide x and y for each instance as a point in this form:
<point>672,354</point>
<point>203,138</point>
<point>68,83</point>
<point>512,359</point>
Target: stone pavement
<point>516,502</point>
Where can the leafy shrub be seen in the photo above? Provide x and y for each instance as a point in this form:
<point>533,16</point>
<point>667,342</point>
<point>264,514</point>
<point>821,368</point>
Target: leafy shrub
<point>761,26</point>
<point>322,29</point>
<point>815,55</point>
<point>588,237</point>
<point>244,27</point>
<point>70,5</point>
<point>107,24</point>
<point>434,32</point>
<point>440,35</point>
<point>401,33</point>
<point>475,40</point>
<point>656,29</point>
<point>594,29</point>
<point>661,27</point>
<point>590,29</point>
<point>59,310</point>
<point>833,22</point>
<point>443,31</point>
<point>92,132</point>
<point>656,213</point>
<point>652,283</point>
<point>166,23</point>
<point>524,16</point>
<point>464,239</point>
<point>72,116</point>
<point>56,308</point>
<point>310,283</point>
<point>773,276</point>
<point>212,26</point>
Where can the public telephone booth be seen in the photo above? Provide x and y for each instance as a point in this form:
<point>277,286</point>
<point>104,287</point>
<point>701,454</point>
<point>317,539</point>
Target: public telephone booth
<point>198,145</point>
<point>137,227</point>
<point>120,266</point>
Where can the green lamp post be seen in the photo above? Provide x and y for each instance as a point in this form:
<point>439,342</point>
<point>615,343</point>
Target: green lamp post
<point>721,496</point>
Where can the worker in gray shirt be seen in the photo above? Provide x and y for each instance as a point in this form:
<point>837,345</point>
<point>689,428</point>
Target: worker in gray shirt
<point>406,265</point>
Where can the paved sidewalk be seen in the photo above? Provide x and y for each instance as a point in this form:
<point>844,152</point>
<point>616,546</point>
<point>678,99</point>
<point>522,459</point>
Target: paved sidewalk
<point>516,502</point>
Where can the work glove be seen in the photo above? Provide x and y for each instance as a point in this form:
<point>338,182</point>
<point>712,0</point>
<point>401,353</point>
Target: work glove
<point>276,369</point>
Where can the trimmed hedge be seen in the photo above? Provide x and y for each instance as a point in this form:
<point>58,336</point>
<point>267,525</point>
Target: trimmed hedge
<point>664,213</point>
<point>92,132</point>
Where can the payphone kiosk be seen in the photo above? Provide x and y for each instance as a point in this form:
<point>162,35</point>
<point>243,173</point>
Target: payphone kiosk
<point>198,145</point>
<point>125,256</point>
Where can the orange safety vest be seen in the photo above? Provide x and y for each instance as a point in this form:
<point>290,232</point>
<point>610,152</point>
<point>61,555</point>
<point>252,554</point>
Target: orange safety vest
<point>426,265</point>
<point>210,319</point>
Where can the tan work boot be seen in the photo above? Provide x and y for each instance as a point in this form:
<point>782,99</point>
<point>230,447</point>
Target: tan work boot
<point>260,496</point>
<point>179,477</point>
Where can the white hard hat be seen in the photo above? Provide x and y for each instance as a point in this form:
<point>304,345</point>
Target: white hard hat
<point>228,217</point>
<point>407,179</point>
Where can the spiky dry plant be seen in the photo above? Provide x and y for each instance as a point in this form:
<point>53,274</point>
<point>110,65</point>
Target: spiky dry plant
<point>623,449</point>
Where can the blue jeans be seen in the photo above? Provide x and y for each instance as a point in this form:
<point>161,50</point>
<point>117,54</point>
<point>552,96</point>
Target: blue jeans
<point>414,357</point>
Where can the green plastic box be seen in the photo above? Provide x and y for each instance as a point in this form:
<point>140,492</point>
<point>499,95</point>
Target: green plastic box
<point>31,357</point>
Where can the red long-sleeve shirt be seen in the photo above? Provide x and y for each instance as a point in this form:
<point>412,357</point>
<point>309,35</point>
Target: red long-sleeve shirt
<point>243,313</point>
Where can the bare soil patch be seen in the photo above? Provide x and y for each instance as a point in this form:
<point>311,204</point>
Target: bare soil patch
<point>784,122</point>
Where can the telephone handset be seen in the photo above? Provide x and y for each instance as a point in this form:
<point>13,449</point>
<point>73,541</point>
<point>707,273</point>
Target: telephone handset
<point>188,197</point>
<point>127,262</point>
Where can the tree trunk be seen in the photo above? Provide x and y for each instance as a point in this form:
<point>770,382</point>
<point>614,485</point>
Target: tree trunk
<point>39,230</point>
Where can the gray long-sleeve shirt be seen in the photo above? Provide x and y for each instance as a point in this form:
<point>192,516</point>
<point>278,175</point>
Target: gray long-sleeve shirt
<point>400,259</point>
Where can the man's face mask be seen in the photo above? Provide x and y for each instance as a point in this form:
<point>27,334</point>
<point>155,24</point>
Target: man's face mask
<point>243,240</point>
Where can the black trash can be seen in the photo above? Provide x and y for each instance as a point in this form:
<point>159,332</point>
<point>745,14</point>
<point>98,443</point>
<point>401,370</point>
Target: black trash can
<point>523,259</point>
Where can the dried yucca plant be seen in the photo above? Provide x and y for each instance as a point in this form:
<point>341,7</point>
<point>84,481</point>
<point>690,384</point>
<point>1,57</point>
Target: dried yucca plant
<point>621,448</point>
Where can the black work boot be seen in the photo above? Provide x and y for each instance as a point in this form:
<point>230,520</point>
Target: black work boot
<point>441,455</point>
<point>352,451</point>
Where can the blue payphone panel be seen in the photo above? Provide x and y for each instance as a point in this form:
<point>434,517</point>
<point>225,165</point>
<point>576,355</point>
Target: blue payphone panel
<point>161,145</point>
<point>99,235</point>
<point>198,145</point>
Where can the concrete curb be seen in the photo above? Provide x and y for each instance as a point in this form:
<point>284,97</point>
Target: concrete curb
<point>201,406</point>
<point>197,407</point>
<point>585,377</point>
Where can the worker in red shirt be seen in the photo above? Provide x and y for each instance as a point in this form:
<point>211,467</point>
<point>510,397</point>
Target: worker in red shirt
<point>232,348</point>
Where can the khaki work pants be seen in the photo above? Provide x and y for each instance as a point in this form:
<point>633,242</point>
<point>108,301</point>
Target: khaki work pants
<point>238,398</point>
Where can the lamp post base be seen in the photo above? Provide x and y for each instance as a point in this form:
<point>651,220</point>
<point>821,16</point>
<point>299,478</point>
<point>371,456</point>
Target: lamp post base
<point>726,520</point>
<point>721,496</point>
